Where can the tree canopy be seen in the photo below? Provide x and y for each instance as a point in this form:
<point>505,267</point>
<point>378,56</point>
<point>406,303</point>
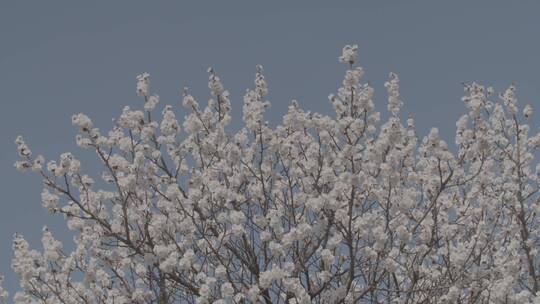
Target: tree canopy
<point>342,208</point>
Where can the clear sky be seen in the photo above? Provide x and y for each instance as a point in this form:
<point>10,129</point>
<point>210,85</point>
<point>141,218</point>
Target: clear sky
<point>58,58</point>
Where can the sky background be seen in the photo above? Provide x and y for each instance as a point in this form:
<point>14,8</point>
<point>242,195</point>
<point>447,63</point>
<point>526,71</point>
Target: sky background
<point>58,58</point>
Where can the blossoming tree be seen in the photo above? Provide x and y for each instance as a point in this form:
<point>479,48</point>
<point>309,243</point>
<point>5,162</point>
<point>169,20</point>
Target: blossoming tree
<point>321,209</point>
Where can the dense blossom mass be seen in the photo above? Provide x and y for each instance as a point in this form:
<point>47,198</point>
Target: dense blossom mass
<point>320,209</point>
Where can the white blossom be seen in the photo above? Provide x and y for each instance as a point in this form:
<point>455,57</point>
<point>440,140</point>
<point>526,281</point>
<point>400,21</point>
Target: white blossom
<point>349,54</point>
<point>527,111</point>
<point>3,293</point>
<point>143,83</point>
<point>151,103</point>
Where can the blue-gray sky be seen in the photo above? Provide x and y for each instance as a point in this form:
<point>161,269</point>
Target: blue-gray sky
<point>58,58</point>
